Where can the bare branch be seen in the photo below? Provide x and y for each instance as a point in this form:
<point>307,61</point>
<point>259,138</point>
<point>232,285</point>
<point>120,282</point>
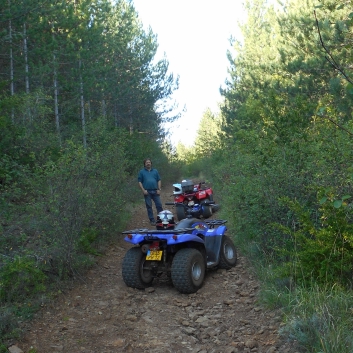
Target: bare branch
<point>333,122</point>
<point>330,58</point>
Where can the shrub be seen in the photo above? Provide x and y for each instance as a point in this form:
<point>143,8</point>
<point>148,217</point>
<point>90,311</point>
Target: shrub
<point>20,278</point>
<point>322,247</point>
<point>8,325</point>
<point>86,240</point>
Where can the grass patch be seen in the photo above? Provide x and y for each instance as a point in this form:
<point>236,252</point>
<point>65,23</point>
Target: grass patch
<point>316,318</point>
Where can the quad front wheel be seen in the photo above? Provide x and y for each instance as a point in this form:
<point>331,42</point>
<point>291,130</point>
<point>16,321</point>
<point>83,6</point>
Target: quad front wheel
<point>181,213</point>
<point>206,209</point>
<point>188,270</point>
<point>134,273</point>
<point>228,255</point>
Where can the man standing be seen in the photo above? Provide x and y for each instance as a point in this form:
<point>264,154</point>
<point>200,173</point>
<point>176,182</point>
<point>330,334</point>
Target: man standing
<point>150,184</point>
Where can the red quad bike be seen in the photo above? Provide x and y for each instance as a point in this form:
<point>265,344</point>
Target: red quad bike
<point>197,197</point>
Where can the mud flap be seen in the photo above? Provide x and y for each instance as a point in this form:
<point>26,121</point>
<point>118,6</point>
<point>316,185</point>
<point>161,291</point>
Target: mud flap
<point>213,247</point>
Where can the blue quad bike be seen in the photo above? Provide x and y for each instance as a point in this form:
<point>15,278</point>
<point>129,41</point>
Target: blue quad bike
<point>204,210</point>
<point>183,251</point>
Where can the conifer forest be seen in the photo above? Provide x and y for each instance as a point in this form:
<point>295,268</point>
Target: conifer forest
<point>83,101</point>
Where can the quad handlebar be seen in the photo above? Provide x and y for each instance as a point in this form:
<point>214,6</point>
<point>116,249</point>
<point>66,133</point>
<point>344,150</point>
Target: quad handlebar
<point>180,204</point>
<point>189,210</point>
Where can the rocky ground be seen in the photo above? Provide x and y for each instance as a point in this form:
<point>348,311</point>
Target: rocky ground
<point>102,315</point>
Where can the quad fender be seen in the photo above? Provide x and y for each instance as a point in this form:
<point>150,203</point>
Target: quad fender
<point>200,195</point>
<point>213,243</point>
<point>136,239</point>
<point>185,238</point>
<point>200,227</point>
<point>216,231</point>
<point>204,194</point>
<point>210,193</point>
<point>179,198</point>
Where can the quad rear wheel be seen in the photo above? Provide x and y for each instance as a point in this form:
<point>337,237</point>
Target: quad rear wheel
<point>228,255</point>
<point>134,270</point>
<point>188,270</point>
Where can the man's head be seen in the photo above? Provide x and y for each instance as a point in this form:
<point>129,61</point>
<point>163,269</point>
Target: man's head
<point>147,163</point>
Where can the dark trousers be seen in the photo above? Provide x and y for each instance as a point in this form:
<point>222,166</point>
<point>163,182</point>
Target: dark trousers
<point>152,195</point>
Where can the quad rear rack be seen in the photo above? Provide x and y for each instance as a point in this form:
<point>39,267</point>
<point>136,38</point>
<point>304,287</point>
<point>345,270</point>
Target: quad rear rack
<point>211,223</point>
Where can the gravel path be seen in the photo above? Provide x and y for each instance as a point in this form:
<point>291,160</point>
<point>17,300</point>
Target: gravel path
<point>102,315</point>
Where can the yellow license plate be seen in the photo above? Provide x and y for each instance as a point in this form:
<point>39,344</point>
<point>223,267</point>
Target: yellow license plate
<point>154,255</point>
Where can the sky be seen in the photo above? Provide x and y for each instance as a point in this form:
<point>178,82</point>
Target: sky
<point>194,35</point>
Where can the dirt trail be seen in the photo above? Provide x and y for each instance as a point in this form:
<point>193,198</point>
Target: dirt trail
<point>102,315</point>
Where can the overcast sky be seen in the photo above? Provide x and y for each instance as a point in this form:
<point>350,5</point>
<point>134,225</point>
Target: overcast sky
<point>194,35</point>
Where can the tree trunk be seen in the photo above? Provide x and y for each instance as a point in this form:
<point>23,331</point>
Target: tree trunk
<point>82,110</point>
<point>25,50</point>
<point>56,94</point>
<point>56,102</point>
<point>116,115</point>
<point>12,89</point>
<point>104,109</point>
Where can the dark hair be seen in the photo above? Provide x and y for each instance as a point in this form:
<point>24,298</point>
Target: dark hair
<point>147,159</point>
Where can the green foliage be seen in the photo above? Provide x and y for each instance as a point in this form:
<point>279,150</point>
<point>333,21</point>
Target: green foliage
<point>87,238</point>
<point>3,348</point>
<point>14,160</point>
<point>102,62</point>
<point>286,133</point>
<point>322,248</point>
<point>68,177</point>
<point>85,201</point>
<point>208,134</point>
<point>8,326</point>
<point>21,278</point>
<point>81,117</point>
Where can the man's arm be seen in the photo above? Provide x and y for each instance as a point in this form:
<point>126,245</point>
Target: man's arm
<point>140,179</point>
<point>159,182</point>
<point>145,192</point>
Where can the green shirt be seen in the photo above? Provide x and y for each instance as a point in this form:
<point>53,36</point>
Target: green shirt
<point>149,178</point>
